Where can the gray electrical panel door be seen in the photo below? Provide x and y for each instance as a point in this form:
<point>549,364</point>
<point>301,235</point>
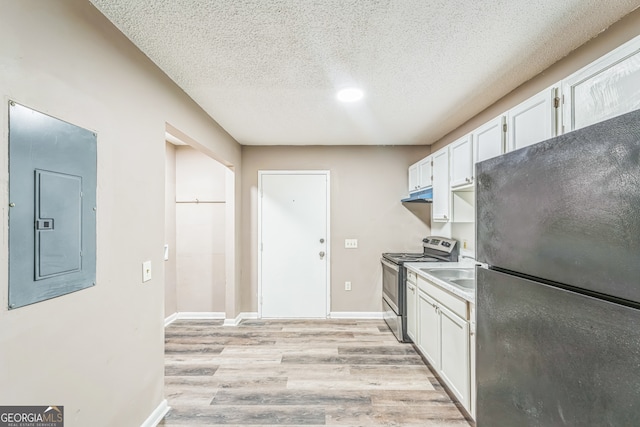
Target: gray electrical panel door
<point>52,210</point>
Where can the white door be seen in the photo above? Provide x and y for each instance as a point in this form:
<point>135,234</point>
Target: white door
<point>293,247</point>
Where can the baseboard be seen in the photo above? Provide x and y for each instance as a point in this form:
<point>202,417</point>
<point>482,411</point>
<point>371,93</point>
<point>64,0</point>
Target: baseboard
<point>356,315</point>
<point>195,315</point>
<point>169,320</point>
<point>240,317</point>
<point>157,415</point>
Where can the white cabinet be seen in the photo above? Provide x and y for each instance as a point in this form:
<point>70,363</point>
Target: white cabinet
<point>604,89</point>
<point>413,178</point>
<point>428,333</point>
<point>420,175</point>
<point>454,359</point>
<point>440,211</point>
<point>443,337</point>
<point>489,140</point>
<point>425,173</point>
<point>412,295</point>
<point>461,165</point>
<point>532,121</point>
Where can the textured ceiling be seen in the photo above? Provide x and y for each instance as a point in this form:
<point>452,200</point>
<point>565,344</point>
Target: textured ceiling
<point>268,70</point>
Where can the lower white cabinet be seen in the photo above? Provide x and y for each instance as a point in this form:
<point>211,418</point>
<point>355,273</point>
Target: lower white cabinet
<point>442,335</point>
<point>454,359</point>
<point>428,330</point>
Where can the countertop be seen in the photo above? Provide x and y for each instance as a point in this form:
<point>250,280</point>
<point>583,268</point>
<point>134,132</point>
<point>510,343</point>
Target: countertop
<point>466,294</point>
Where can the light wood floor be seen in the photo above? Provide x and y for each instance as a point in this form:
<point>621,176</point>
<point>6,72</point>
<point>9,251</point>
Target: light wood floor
<point>299,373</point>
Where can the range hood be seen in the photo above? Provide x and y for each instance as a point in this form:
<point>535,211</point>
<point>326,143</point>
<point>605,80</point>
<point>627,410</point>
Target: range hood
<point>422,196</point>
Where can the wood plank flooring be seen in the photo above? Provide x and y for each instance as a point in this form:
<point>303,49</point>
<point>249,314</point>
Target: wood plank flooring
<point>299,373</point>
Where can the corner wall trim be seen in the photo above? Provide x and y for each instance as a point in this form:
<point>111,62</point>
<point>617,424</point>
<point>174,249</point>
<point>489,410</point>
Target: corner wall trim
<point>194,315</point>
<point>169,320</point>
<point>356,315</point>
<point>157,415</point>
<point>240,317</point>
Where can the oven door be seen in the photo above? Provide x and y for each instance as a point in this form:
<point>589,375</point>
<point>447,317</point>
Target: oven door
<point>391,280</point>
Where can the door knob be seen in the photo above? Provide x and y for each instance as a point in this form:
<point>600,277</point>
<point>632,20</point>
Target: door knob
<point>321,254</point>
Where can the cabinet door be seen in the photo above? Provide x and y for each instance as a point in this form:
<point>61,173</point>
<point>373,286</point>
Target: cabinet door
<point>411,311</point>
<point>428,329</point>
<point>425,172</point>
<point>441,192</point>
<point>488,140</point>
<point>461,162</point>
<point>604,89</point>
<point>454,365</point>
<point>413,178</point>
<point>532,121</point>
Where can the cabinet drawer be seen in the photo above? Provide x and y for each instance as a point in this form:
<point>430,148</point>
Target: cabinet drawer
<point>452,302</point>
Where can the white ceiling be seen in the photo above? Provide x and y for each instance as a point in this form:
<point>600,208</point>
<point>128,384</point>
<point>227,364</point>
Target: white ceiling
<point>268,70</point>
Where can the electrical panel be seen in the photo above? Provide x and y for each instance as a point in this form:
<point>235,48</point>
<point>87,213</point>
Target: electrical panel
<point>52,207</point>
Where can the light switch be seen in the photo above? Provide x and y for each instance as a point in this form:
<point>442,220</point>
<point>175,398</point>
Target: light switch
<point>351,243</point>
<point>146,271</point>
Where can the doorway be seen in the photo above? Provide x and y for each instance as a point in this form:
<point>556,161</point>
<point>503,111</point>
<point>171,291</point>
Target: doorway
<point>293,246</point>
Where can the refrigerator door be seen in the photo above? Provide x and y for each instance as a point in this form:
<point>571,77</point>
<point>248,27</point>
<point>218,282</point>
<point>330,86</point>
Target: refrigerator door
<point>550,357</point>
<point>567,209</point>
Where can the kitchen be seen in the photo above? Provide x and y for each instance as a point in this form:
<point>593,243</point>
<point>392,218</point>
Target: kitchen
<point>381,168</point>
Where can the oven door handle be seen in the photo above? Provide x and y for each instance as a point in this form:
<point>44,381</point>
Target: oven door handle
<point>391,266</point>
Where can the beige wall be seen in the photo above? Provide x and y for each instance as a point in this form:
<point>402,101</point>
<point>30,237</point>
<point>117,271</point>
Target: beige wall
<point>200,230</point>
<point>98,351</point>
<point>367,184</point>
<point>170,267</point>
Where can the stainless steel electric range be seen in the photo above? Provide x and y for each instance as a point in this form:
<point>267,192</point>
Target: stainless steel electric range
<point>394,296</point>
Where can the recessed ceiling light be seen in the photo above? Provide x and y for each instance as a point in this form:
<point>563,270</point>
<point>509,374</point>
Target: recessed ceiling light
<point>350,94</point>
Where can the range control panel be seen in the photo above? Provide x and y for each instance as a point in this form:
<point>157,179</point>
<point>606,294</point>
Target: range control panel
<point>439,243</point>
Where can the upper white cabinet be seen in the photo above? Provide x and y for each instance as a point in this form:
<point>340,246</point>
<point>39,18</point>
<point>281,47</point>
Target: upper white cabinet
<point>489,140</point>
<point>604,89</point>
<point>413,178</point>
<point>420,175</point>
<point>533,121</point>
<point>461,153</point>
<point>441,208</point>
<point>425,173</point>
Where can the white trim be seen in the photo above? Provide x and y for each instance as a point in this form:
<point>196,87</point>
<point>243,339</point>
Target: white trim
<point>240,317</point>
<point>194,315</point>
<point>356,315</point>
<point>326,173</point>
<point>157,415</point>
<point>169,320</point>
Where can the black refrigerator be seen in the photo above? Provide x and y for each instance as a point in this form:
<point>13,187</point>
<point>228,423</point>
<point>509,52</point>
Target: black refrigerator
<point>558,302</point>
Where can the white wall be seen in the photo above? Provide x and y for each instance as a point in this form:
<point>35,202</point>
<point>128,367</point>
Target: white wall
<point>200,232</point>
<point>98,351</point>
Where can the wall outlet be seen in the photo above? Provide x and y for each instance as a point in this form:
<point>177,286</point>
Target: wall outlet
<point>347,286</point>
<point>464,244</point>
<point>146,271</point>
<point>351,243</point>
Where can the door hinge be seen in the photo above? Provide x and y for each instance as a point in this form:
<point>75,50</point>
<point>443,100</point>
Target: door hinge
<point>556,102</point>
<point>261,247</point>
<point>504,127</point>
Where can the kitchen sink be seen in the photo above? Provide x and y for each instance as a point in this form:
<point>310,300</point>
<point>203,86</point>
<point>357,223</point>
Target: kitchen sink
<point>449,274</point>
<point>465,283</point>
<point>464,278</point>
